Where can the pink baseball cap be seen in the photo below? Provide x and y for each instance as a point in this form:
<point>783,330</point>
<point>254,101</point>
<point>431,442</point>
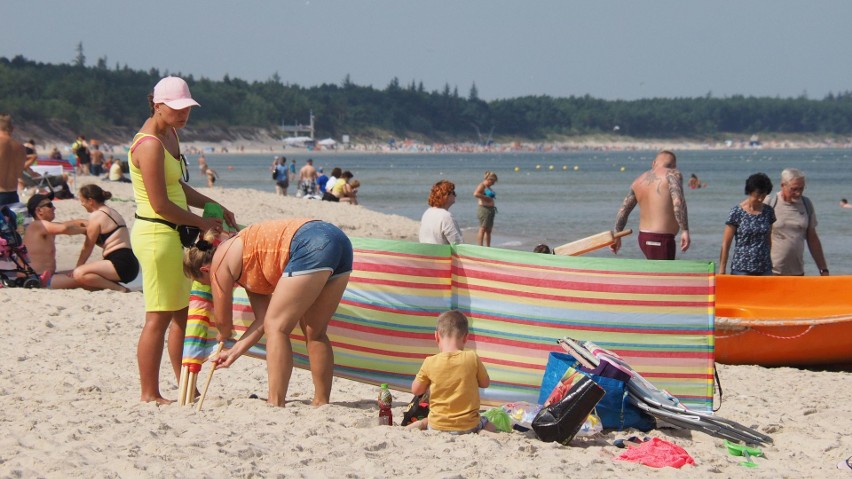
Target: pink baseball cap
<point>174,92</point>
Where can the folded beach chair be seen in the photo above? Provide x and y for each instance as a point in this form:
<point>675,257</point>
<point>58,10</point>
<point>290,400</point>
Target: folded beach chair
<point>48,183</point>
<point>661,404</point>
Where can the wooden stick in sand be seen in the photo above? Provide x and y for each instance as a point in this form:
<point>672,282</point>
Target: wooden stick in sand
<point>184,382</point>
<point>591,243</point>
<point>189,392</point>
<point>209,377</point>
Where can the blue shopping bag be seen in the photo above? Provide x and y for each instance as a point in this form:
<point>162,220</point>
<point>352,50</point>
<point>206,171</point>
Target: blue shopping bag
<point>614,409</point>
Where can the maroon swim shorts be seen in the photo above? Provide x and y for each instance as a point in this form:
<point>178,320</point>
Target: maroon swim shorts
<point>657,245</point>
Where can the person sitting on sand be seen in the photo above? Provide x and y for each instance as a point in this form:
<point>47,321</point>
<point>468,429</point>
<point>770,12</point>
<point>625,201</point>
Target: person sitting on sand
<point>342,191</point>
<point>844,203</point>
<point>116,172</point>
<point>332,179</point>
<point>107,229</point>
<point>295,272</point>
<point>437,225</point>
<point>453,378</point>
<point>352,193</point>
<point>40,240</point>
<point>322,179</point>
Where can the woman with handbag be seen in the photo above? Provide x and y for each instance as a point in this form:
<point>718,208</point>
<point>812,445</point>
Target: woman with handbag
<point>159,174</point>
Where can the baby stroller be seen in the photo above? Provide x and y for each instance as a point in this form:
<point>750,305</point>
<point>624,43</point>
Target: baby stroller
<point>15,269</point>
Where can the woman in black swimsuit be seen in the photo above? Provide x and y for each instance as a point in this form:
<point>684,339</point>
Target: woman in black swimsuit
<point>108,230</point>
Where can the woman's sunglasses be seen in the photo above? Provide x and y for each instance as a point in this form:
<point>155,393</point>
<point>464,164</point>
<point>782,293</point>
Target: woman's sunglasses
<point>184,168</point>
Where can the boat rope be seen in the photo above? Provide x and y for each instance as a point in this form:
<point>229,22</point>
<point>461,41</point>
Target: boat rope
<point>730,323</point>
<point>774,336</point>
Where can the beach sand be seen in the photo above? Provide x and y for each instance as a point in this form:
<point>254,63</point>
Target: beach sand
<point>69,396</point>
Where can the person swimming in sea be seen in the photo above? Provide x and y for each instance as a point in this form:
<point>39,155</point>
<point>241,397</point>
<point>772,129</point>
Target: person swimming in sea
<point>695,183</point>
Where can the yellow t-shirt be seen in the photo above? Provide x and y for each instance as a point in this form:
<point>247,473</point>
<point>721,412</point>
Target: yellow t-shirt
<point>337,189</point>
<point>453,380</point>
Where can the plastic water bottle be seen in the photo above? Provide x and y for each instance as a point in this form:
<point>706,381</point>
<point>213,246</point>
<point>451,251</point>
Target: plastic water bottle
<point>385,403</point>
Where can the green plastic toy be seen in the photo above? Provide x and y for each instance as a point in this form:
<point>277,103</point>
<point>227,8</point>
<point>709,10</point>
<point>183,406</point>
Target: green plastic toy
<point>744,451</point>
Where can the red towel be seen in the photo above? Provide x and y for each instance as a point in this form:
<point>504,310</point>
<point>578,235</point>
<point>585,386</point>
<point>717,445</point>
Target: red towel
<point>657,453</point>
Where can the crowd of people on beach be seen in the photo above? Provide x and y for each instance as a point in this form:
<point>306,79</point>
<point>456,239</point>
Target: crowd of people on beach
<point>312,183</point>
<point>295,271</point>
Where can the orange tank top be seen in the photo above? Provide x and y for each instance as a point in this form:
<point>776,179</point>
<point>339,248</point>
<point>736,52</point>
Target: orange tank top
<point>266,252</point>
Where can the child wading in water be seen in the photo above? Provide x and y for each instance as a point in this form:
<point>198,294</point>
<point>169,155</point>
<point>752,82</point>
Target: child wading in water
<point>453,378</point>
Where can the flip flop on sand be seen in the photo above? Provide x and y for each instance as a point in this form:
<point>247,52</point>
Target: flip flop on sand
<point>845,465</point>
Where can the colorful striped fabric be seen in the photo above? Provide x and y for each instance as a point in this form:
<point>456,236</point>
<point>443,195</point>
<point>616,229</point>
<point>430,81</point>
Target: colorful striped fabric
<point>657,315</point>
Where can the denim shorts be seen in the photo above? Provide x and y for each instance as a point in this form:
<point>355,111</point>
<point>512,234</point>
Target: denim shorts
<point>319,246</point>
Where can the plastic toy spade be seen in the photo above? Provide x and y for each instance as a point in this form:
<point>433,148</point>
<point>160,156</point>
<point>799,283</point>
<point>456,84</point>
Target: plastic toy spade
<point>745,451</point>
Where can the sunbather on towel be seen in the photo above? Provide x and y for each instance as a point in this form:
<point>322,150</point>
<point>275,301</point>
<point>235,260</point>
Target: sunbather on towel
<point>453,378</point>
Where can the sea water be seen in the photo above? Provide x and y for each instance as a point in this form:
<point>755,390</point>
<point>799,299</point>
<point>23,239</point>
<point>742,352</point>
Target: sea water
<point>556,198</point>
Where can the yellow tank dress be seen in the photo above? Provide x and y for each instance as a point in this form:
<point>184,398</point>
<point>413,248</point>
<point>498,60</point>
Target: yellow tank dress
<point>157,246</point>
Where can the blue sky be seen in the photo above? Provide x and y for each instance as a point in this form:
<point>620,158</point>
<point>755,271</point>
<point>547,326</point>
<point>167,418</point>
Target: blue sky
<point>620,49</point>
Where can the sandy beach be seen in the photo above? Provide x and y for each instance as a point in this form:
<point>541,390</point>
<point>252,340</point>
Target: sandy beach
<point>69,396</point>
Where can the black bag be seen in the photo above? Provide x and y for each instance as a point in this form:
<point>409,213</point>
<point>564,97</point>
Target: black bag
<point>274,174</point>
<point>416,410</point>
<point>188,235</point>
<point>560,421</point>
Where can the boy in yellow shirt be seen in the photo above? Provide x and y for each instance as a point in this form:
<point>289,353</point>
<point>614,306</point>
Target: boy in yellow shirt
<point>453,378</point>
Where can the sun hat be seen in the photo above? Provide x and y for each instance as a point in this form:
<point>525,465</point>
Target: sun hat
<point>174,92</point>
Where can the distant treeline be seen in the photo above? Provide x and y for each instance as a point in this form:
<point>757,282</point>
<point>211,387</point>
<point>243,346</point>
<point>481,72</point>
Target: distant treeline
<point>97,98</point>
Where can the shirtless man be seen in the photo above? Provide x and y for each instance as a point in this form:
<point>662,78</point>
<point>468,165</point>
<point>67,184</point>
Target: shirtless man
<point>308,179</point>
<point>97,167</point>
<point>40,237</point>
<point>13,157</point>
<point>662,209</point>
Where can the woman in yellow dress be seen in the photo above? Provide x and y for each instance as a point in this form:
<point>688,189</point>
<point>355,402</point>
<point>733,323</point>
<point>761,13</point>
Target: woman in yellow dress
<point>159,174</point>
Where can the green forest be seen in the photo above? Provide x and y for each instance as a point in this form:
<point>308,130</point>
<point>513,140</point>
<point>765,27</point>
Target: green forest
<point>103,98</point>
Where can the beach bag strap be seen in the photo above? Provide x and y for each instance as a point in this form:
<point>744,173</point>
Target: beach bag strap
<point>809,207</point>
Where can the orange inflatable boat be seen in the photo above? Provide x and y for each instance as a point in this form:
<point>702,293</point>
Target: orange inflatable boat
<point>784,320</point>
